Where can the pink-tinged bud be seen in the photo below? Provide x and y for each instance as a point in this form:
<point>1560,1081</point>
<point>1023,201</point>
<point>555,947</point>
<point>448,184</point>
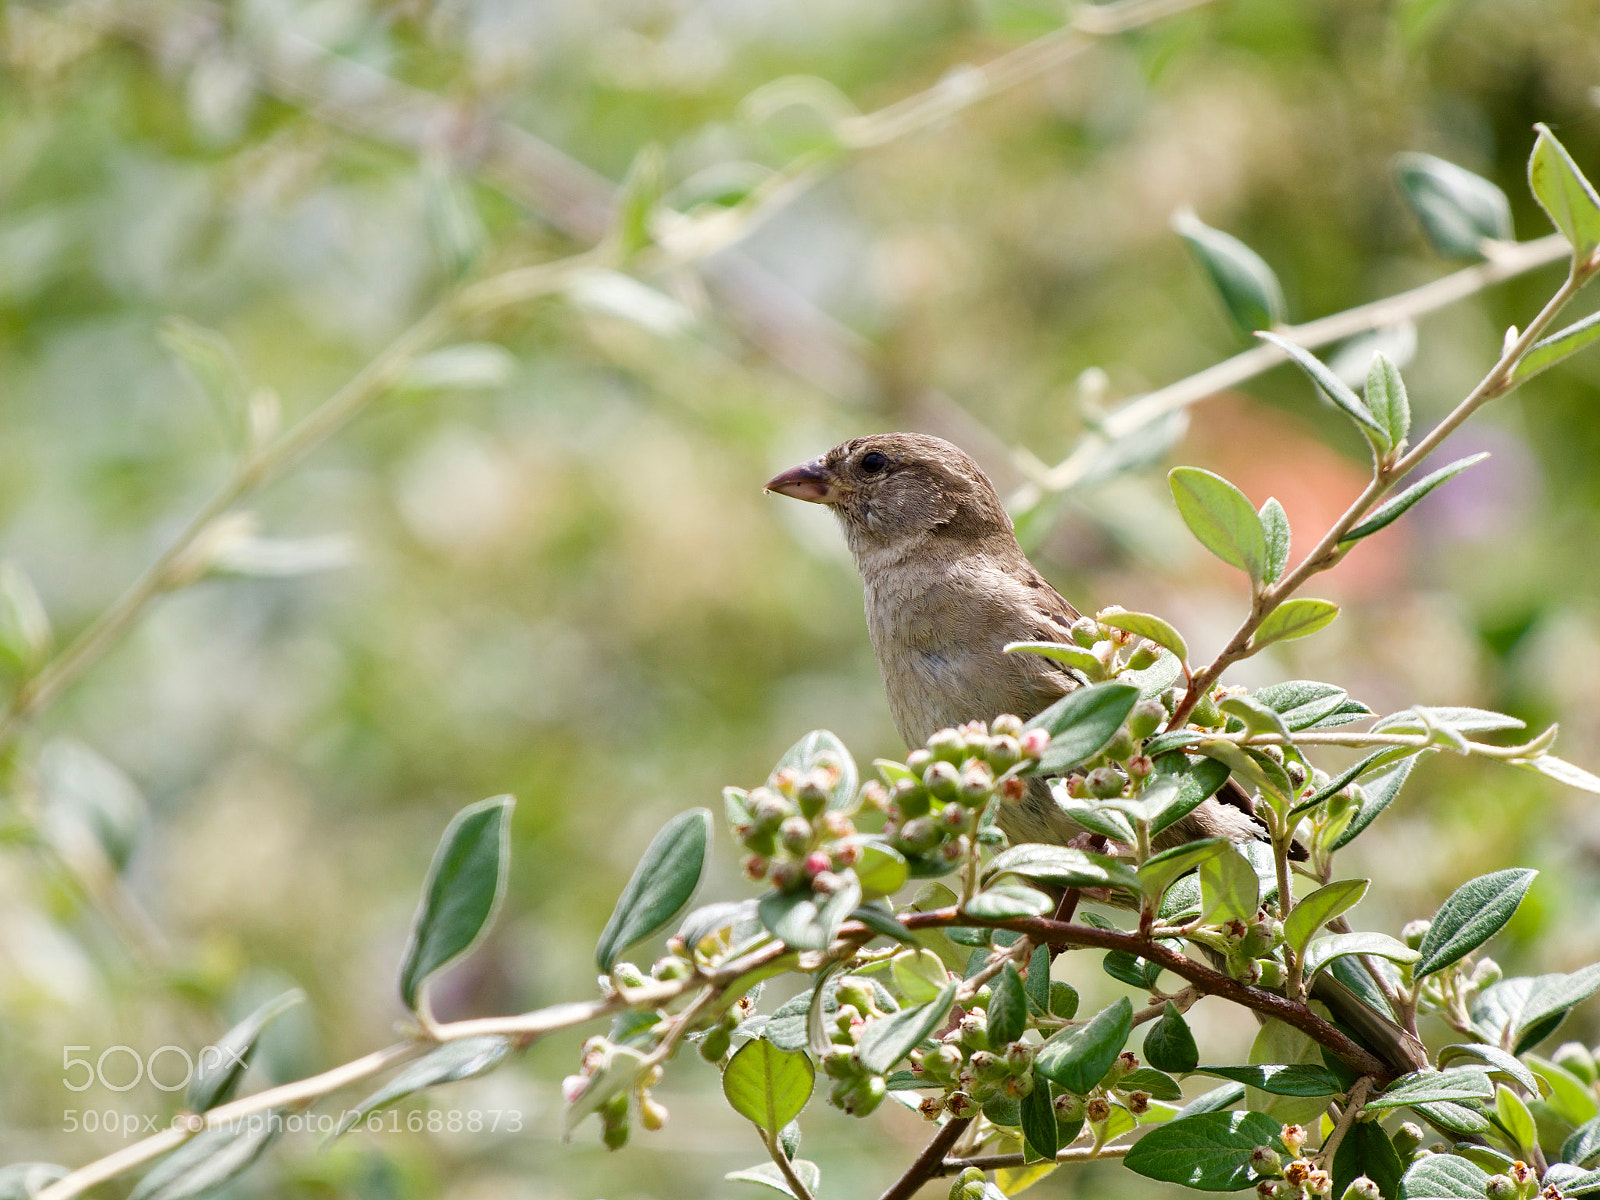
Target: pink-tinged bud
<point>1034,743</point>
<point>573,1087</point>
<point>977,782</point>
<point>795,834</point>
<point>786,876</point>
<point>1293,1137</point>
<point>826,883</point>
<point>1103,783</point>
<point>785,779</point>
<point>917,761</point>
<point>874,796</point>
<point>755,867</point>
<point>1076,788</point>
<point>1006,725</point>
<point>1362,1188</point>
<point>955,851</point>
<point>837,825</point>
<point>1319,1182</point>
<point>942,779</point>
<point>816,863</point>
<point>1139,767</point>
<point>846,856</point>
<point>1013,789</point>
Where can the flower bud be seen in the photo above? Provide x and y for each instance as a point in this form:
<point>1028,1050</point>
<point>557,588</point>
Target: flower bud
<point>1296,772</point>
<point>1485,973</point>
<point>1004,752</point>
<point>1275,753</point>
<point>811,797</point>
<point>955,819</point>
<point>977,783</point>
<point>1139,767</point>
<point>715,1044</point>
<point>974,1030</point>
<point>840,1063</point>
<point>1034,743</point>
<point>954,851</point>
<point>1407,1138</point>
<point>625,974</point>
<point>1319,1182</point>
<point>1097,1109</point>
<point>1576,1057</point>
<point>866,1095</point>
<point>988,1066</point>
<point>947,746</point>
<point>1006,725</point>
<point>1293,1137</point>
<point>847,855</point>
<point>874,796</point>
<point>652,1114</point>
<point>784,779</point>
<point>573,1087</point>
<point>1264,1160</point>
<point>1019,1058</point>
<point>755,867</point>
<point>942,779</point>
<point>1085,632</point>
<point>1414,932</point>
<point>1362,1188</point>
<point>1523,1176</point>
<point>1143,657</point>
<point>1269,972</point>
<point>786,876</point>
<point>920,835</point>
<point>1501,1187</point>
<point>1120,748</point>
<point>795,834</point>
<point>911,799</point>
<point>768,808</point>
<point>671,967</point>
<point>1103,783</point>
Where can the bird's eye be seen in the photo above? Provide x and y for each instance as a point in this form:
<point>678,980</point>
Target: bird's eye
<point>873,461</point>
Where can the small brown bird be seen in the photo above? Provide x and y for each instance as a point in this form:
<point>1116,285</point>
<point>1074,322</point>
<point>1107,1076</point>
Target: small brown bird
<point>947,587</point>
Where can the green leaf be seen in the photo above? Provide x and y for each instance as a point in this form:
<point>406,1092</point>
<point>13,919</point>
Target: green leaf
<point>1295,618</point>
<point>1565,194</point>
<point>919,974</point>
<point>1331,385</point>
<point>1170,1046</point>
<point>1320,907</point>
<point>640,192</point>
<point>1215,1100</point>
<point>25,636</point>
<point>1582,1147</point>
<point>1443,1177</point>
<point>1096,818</point>
<point>1571,1181</point>
<point>1325,950</point>
<point>1495,1059</point>
<point>1038,1118</point>
<point>1131,969</point>
<point>1275,529</point>
<point>1377,794</point>
<point>1004,901</point>
<point>222,1065</point>
<point>1529,1009</point>
<point>1430,1087</point>
<point>1148,626</point>
<point>821,750</point>
<point>1197,781</point>
<point>1569,1095</point>
<point>1077,1058</point>
<point>1514,1116</point>
<point>806,921</point>
<point>886,1040</point>
<point>1256,717</point>
<point>467,365</point>
<point>1473,914</point>
<point>768,1086</point>
<point>465,884</point>
<point>881,869</point>
<point>1561,771</point>
<point>1302,702</point>
<point>1063,867</point>
<point>1159,870</point>
<point>1008,1008</point>
<point>1156,678</point>
<point>1075,657</point>
<point>1221,518</point>
<point>464,1059</point>
<point>1229,889</point>
<point>1387,400</point>
<point>1367,1150</point>
<point>661,886</point>
<point>886,923</point>
<point>1037,983</point>
<point>767,1174</point>
<point>1280,1079</point>
<point>1547,352</point>
<point>1081,723</point>
<point>209,1159</point>
<point>1391,510</point>
<point>1208,1151</point>
<point>1153,1082</point>
<point>1457,209</point>
<point>1247,286</point>
<point>25,1180</point>
<point>212,363</point>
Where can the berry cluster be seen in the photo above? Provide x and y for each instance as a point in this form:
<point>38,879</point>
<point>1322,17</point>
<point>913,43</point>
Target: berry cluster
<point>794,840</point>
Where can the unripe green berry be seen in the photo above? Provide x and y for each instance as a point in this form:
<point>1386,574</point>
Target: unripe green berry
<point>947,746</point>
<point>1502,1187</point>
<point>920,835</point>
<point>977,783</point>
<point>942,780</point>
<point>911,799</point>
<point>1362,1188</point>
<point>795,834</point>
<point>1144,656</point>
<point>988,1066</point>
<point>1414,932</point>
<point>715,1044</point>
<point>1407,1138</point>
<point>1104,783</point>
<point>1264,1160</point>
<point>1147,717</point>
<point>1121,746</point>
<point>1004,752</point>
<point>672,967</point>
<point>1069,1107</point>
<point>1085,632</point>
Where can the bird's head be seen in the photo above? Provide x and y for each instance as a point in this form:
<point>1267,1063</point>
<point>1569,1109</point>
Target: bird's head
<point>895,487</point>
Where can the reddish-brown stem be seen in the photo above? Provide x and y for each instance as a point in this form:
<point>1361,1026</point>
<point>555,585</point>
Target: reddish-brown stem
<point>928,1164</point>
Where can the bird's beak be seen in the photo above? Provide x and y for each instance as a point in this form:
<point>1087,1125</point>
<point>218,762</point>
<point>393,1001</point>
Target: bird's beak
<point>810,481</point>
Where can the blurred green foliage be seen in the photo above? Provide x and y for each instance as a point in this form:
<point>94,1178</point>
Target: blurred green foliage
<point>568,585</point>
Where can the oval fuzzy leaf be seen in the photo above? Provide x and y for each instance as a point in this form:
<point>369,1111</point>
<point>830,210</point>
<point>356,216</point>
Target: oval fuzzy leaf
<point>1443,1177</point>
<point>1247,286</point>
<point>661,886</point>
<point>465,884</point>
<point>1457,209</point>
<point>1159,870</point>
<point>880,921</point>
<point>768,1086</point>
<point>1221,518</point>
<point>886,1040</point>
<point>209,1159</point>
<point>1096,818</point>
<point>1331,385</point>
<point>768,1175</point>
<point>1275,528</point>
<point>1148,626</point>
<point>1492,1057</point>
<point>1582,1146</point>
<point>919,974</point>
<point>1367,1150</point>
<point>1170,1046</point>
<point>464,1059</point>
<point>1547,352</point>
<point>1197,781</point>
<point>1570,1096</point>
<point>1078,1058</point>
<point>1564,193</point>
<point>1515,1118</point>
<point>1038,1117</point>
<point>1391,510</point>
<point>1320,907</point>
<point>1063,867</point>
<point>1561,771</point>
<point>881,869</point>
<point>1005,901</point>
<point>1075,657</point>
<point>1229,887</point>
<point>1281,1079</point>
<point>1531,1008</point>
<point>1008,1008</point>
<point>1295,618</point>
<point>1155,1083</point>
<point>222,1065</point>
<point>1378,793</point>
<point>1255,716</point>
<point>1432,1087</point>
<point>821,749</point>
<point>1387,400</point>
<point>804,921</point>
<point>1324,950</point>
<point>1473,914</point>
<point>1208,1151</point>
<point>1082,722</point>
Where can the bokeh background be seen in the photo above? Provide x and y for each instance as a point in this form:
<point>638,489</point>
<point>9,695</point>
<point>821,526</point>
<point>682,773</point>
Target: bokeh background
<point>564,581</point>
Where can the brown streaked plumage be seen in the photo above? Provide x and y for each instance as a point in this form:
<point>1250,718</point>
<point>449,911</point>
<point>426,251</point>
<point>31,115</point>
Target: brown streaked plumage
<point>947,587</point>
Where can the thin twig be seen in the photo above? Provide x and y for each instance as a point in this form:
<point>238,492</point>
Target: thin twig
<point>930,1163</point>
<point>1352,1107</point>
<point>785,1167</point>
<point>999,1162</point>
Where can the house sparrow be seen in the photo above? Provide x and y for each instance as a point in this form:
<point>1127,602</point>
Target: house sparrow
<point>947,587</point>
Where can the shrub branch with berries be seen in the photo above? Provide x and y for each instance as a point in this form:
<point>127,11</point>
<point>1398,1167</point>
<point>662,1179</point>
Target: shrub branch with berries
<point>930,964</point>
